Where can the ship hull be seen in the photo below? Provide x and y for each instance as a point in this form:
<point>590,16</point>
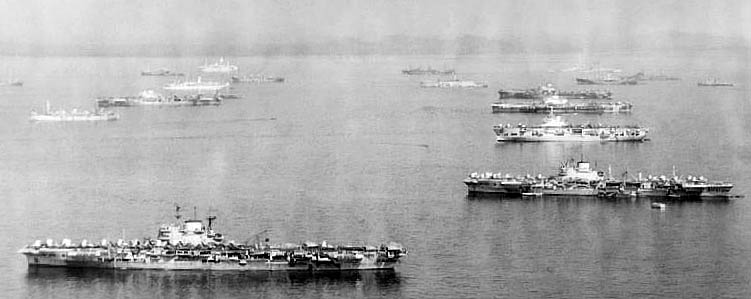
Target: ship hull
<point>570,138</point>
<point>537,108</point>
<point>197,265</point>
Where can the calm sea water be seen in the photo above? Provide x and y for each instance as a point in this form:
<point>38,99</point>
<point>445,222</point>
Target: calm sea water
<point>349,149</point>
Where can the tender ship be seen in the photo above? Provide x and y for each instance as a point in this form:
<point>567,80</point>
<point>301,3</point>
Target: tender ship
<point>580,179</point>
<point>548,90</point>
<point>220,66</point>
<point>554,128</point>
<point>197,85</point>
<point>257,78</point>
<point>74,115</point>
<point>713,82</point>
<point>453,83</point>
<point>152,98</point>
<point>563,105</point>
<point>427,71</point>
<point>191,245</point>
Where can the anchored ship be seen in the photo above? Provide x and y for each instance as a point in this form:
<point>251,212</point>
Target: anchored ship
<point>160,72</point>
<point>453,83</point>
<point>713,82</point>
<point>428,71</point>
<point>220,66</point>
<point>563,105</point>
<point>195,86</point>
<point>257,78</point>
<point>548,90</point>
<point>554,128</point>
<point>580,179</point>
<point>191,245</point>
<point>152,98</point>
<point>73,115</point>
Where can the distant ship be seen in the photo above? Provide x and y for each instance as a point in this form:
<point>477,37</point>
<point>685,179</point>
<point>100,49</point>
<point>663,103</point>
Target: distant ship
<point>427,71</point>
<point>549,90</point>
<point>257,78</point>
<point>554,128</point>
<point>563,105</point>
<point>12,82</point>
<point>660,77</point>
<point>152,98</point>
<point>191,245</point>
<point>580,179</point>
<point>74,115</point>
<point>713,82</point>
<point>220,66</point>
<point>453,83</point>
<point>195,86</point>
<point>608,79</point>
<point>160,72</point>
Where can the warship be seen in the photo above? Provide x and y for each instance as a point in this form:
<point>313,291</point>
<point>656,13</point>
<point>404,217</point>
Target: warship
<point>549,90</point>
<point>220,66</point>
<point>554,128</point>
<point>50,115</point>
<point>257,78</point>
<point>563,105</point>
<point>152,98</point>
<point>191,245</point>
<point>428,71</point>
<point>713,82</point>
<point>580,179</point>
<point>453,83</point>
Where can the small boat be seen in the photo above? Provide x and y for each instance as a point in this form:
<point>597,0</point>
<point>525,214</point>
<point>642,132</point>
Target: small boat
<point>74,115</point>
<point>531,194</point>
<point>658,205</point>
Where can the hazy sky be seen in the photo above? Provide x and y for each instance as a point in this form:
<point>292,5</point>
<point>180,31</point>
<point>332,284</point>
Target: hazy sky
<point>180,21</point>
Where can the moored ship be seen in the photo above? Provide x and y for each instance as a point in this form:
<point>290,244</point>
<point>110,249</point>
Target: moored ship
<point>548,90</point>
<point>152,98</point>
<point>562,105</point>
<point>427,71</point>
<point>161,72</point>
<point>453,83</point>
<point>581,180</point>
<point>555,129</point>
<point>257,78</point>
<point>220,66</point>
<point>191,245</point>
<point>73,115</point>
<point>197,85</point>
<point>713,82</point>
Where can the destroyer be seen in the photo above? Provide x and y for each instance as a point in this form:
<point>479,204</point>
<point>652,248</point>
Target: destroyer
<point>193,246</point>
<point>74,115</point>
<point>554,128</point>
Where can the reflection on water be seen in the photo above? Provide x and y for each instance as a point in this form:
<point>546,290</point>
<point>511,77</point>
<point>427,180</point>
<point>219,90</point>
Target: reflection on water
<point>89,283</point>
